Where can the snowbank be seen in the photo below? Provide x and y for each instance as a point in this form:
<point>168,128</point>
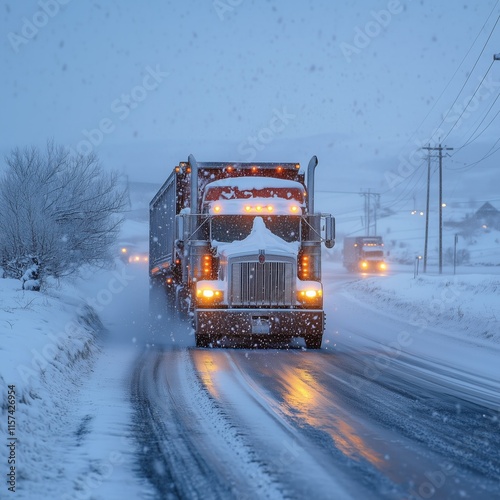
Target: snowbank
<point>466,305</point>
<point>435,331</point>
<point>48,341</point>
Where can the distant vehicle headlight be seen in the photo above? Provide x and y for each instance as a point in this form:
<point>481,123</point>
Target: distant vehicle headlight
<point>138,258</point>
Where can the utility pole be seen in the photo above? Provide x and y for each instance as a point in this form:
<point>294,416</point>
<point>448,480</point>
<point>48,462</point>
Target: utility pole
<point>368,223</point>
<point>427,207</point>
<point>440,150</point>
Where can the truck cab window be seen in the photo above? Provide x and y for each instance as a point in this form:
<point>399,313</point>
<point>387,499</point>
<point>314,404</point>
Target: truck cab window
<point>227,228</point>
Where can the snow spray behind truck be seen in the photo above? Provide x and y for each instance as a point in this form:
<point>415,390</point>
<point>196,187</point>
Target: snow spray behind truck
<point>237,247</point>
<point>364,253</point>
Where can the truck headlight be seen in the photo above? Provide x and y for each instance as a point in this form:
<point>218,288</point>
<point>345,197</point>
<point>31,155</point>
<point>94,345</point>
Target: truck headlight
<point>209,292</point>
<point>310,293</point>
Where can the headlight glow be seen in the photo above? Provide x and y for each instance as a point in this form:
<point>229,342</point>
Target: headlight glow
<point>207,293</point>
<point>310,293</point>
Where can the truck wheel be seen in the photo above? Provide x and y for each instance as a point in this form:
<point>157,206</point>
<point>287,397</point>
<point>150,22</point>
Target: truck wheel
<point>181,304</point>
<point>202,340</point>
<point>313,341</point>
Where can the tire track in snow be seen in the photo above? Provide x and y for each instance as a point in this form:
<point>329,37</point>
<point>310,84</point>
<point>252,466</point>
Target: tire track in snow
<point>190,449</point>
<point>288,451</point>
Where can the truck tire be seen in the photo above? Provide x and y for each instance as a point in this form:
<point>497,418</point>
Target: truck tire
<point>202,340</point>
<point>181,303</point>
<point>313,341</point>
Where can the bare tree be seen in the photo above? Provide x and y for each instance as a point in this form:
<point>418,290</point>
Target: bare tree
<point>59,209</point>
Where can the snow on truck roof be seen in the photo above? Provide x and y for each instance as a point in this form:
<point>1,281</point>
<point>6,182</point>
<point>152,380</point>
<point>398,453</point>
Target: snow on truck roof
<point>248,184</point>
<point>276,196</point>
<point>255,182</point>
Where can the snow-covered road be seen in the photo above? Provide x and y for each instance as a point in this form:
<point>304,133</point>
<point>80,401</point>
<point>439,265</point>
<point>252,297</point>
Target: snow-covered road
<point>292,424</point>
<point>367,417</point>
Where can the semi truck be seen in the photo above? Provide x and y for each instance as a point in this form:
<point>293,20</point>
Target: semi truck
<point>364,253</point>
<point>237,248</point>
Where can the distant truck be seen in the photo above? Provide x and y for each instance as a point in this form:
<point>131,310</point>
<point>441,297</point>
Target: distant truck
<point>364,253</point>
<point>237,247</point>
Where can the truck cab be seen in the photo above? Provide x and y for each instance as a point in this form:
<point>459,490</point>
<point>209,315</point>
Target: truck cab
<point>248,258</point>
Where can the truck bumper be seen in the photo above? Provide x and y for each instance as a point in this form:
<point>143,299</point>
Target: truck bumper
<point>273,322</point>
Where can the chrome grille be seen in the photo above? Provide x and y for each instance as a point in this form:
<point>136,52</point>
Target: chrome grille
<point>261,285</point>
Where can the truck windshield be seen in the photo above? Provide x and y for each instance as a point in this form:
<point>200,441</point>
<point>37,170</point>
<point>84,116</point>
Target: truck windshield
<point>227,228</point>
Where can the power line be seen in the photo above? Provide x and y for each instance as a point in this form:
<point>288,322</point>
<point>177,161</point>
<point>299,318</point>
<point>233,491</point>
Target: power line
<point>409,178</point>
<point>470,140</point>
<point>487,155</point>
<point>470,100</point>
<point>455,73</point>
<point>469,75</point>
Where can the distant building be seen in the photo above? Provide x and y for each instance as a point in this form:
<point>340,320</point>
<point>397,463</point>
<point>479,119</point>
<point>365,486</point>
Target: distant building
<point>487,214</point>
<point>486,217</point>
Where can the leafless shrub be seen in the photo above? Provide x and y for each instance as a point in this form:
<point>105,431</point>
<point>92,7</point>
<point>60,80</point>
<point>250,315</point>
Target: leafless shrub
<point>59,210</point>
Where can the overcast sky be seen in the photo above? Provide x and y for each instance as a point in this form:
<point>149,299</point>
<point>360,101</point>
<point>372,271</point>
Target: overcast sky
<point>359,83</point>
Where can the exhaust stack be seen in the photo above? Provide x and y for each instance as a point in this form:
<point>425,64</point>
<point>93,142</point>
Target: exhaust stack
<point>310,184</point>
<point>194,184</point>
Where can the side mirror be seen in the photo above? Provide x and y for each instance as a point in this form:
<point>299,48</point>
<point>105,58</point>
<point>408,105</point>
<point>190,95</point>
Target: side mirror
<point>329,231</point>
